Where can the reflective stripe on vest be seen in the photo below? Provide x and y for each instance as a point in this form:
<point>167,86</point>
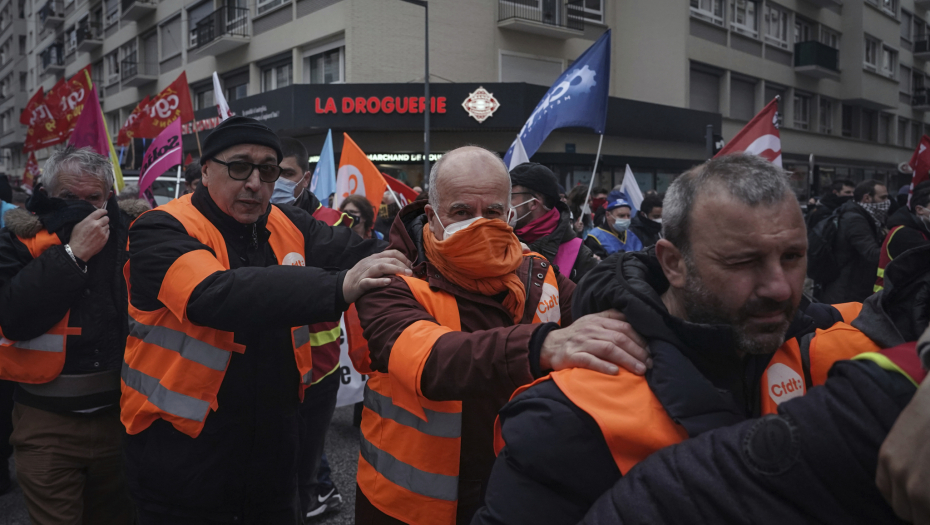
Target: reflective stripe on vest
<point>173,368</point>
<point>40,359</point>
<point>901,359</point>
<point>884,258</point>
<point>634,422</point>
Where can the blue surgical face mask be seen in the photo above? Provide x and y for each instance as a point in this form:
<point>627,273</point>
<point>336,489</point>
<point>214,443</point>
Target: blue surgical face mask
<point>621,225</point>
<point>283,191</point>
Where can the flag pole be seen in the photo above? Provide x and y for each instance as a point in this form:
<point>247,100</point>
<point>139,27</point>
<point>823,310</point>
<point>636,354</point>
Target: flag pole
<point>177,183</point>
<point>197,136</point>
<point>399,205</point>
<point>587,198</point>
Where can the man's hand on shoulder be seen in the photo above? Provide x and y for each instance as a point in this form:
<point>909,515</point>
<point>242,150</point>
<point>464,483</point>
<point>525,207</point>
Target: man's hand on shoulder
<point>903,474</point>
<point>373,272</point>
<point>601,342</point>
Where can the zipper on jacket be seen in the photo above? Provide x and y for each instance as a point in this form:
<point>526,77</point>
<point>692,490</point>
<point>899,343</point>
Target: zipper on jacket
<point>254,244</point>
<point>529,279</point>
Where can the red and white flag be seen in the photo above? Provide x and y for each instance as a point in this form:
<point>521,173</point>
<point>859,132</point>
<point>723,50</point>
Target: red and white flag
<point>222,107</point>
<point>759,137</point>
<point>920,163</point>
<point>405,194</point>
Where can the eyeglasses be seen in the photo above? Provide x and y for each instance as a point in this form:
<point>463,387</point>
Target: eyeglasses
<point>241,170</point>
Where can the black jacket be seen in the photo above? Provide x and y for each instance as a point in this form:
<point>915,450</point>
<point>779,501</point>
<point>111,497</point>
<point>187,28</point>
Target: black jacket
<point>556,462</point>
<point>913,234</point>
<point>857,246</point>
<point>646,230</point>
<point>824,208</point>
<point>244,461</point>
<point>548,246</point>
<point>814,462</point>
<point>36,293</point>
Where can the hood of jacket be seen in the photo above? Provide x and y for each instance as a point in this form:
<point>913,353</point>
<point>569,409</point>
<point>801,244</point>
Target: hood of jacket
<point>651,227</point>
<point>904,217</point>
<point>900,312</point>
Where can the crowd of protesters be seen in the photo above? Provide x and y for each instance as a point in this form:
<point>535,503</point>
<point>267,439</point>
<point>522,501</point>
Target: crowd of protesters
<point>534,355</point>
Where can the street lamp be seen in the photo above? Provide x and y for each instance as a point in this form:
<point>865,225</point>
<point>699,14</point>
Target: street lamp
<point>426,109</point>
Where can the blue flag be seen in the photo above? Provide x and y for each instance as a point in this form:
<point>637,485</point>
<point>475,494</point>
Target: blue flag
<point>577,99</point>
<point>323,183</point>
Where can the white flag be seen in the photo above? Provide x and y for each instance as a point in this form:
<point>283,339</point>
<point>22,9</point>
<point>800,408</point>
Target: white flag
<point>221,106</point>
<point>631,189</point>
<point>519,154</point>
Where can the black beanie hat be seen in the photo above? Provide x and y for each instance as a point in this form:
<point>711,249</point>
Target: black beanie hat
<point>537,178</point>
<point>239,130</point>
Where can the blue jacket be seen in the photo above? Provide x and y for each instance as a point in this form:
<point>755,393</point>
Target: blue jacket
<point>603,242</point>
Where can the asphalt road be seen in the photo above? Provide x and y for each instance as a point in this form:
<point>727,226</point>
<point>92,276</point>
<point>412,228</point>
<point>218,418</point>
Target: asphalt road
<point>341,450</point>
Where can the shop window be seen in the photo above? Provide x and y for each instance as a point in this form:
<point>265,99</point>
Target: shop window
<point>326,67</point>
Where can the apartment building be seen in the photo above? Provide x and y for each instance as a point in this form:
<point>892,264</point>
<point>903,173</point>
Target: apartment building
<point>851,74</point>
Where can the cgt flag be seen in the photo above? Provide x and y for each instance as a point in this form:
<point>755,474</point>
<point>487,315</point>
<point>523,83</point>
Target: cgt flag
<point>759,137</point>
<point>174,102</point>
<point>130,128</point>
<point>42,129</point>
<point>577,99</point>
<point>920,163</point>
<point>163,154</point>
<point>66,101</point>
<point>358,176</point>
<point>404,193</point>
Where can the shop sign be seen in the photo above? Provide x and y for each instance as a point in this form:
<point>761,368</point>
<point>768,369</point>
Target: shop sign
<point>356,105</point>
<point>480,105</point>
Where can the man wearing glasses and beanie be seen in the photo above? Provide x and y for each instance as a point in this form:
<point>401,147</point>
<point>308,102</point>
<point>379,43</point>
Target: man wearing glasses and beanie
<point>222,289</point>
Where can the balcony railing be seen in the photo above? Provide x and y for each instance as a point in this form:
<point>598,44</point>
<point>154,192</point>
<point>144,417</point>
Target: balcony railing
<point>920,100</point>
<point>131,68</point>
<point>53,57</point>
<point>88,30</point>
<point>813,53</point>
<point>53,11</point>
<point>566,14</point>
<point>225,21</point>
<point>136,9</point>
<point>922,47</point>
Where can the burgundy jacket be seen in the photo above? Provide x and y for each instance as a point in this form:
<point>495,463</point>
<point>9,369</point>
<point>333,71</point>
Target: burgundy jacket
<point>481,366</point>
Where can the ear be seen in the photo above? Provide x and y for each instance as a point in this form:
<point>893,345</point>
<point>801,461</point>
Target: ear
<point>203,174</point>
<point>672,262</point>
<point>432,222</point>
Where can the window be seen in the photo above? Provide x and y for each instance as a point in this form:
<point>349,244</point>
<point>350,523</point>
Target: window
<point>907,25</point>
<point>904,84</point>
<point>889,62</point>
<point>829,37</point>
<point>275,77</point>
<point>111,63</point>
<point>802,111</point>
<point>884,128</point>
<point>890,7</point>
<point>920,29</point>
<point>705,91</point>
<point>327,67</point>
<point>22,81</point>
<point>203,97</point>
<point>710,10</point>
<point>266,5</point>
<point>237,85</point>
<point>592,10</point>
<point>902,131</point>
<point>170,38</point>
<point>196,14</point>
<point>22,44</point>
<point>742,99</point>
<point>776,26</point>
<point>916,133</point>
<point>743,17</point>
<point>111,8</point>
<point>802,30</point>
<point>826,116</point>
<point>847,121</point>
<point>871,53</point>
<point>237,92</point>
<point>869,125</point>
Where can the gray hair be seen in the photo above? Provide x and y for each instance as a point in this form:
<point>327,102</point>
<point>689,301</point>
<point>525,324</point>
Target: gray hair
<point>434,173</point>
<point>77,161</point>
<point>751,179</point>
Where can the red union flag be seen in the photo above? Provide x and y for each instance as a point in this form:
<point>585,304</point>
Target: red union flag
<point>759,137</point>
<point>128,131</point>
<point>405,194</point>
<point>173,103</point>
<point>920,163</point>
<point>43,130</point>
<point>31,174</point>
<point>66,101</point>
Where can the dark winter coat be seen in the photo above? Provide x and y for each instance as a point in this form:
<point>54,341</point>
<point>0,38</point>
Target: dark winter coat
<point>36,293</point>
<point>481,365</point>
<point>548,246</point>
<point>646,230</point>
<point>857,247</point>
<point>914,233</point>
<point>556,462</point>
<point>243,464</point>
<point>824,208</point>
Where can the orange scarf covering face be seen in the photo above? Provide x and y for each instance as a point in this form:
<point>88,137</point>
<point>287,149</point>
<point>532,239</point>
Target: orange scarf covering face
<point>482,259</point>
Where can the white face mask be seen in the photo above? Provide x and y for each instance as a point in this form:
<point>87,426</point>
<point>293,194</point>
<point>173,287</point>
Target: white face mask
<point>283,191</point>
<point>455,226</point>
<point>657,221</point>
<point>513,215</point>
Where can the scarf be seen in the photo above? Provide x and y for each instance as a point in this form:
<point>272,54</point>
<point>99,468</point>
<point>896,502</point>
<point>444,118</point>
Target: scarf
<point>878,211</point>
<point>539,228</point>
<point>58,215</point>
<point>482,259</point>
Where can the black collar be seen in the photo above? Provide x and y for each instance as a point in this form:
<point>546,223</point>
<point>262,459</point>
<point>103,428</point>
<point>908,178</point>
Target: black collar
<point>253,234</point>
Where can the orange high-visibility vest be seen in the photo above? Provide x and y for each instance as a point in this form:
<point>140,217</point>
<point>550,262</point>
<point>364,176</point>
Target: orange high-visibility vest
<point>172,368</point>
<point>410,448</point>
<point>634,422</point>
<point>40,359</point>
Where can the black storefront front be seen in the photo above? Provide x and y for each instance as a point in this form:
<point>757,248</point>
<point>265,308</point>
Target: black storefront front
<point>386,121</point>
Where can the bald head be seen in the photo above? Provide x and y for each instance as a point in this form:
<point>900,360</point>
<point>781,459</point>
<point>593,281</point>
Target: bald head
<point>465,183</point>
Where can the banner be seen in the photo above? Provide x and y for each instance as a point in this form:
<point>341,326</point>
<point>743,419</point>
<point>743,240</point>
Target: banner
<point>42,129</point>
<point>173,103</point>
<point>405,194</point>
<point>358,176</point>
<point>630,188</point>
<point>66,101</point>
<point>920,163</point>
<point>31,174</point>
<point>351,383</point>
<point>323,182</point>
<point>221,106</point>
<point>759,137</point>
<point>130,128</point>
<point>163,154</point>
<point>89,129</point>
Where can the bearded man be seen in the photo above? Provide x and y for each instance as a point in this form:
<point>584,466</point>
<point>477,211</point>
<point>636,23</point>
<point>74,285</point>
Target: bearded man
<point>719,301</point>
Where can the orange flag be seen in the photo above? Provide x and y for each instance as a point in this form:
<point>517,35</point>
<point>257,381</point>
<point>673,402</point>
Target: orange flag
<point>358,176</point>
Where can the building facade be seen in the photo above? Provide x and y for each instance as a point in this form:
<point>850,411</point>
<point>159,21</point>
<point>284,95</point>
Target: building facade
<point>851,75</point>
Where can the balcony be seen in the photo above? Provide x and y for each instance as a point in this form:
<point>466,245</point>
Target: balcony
<point>920,100</point>
<point>136,9</point>
<point>53,58</point>
<point>828,3</point>
<point>562,19</point>
<point>221,31</point>
<point>89,36</point>
<point>922,4</point>
<point>51,15</point>
<point>134,73</point>
<point>816,60</point>
<point>922,48</point>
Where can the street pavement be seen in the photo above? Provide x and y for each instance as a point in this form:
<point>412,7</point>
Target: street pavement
<point>341,450</point>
